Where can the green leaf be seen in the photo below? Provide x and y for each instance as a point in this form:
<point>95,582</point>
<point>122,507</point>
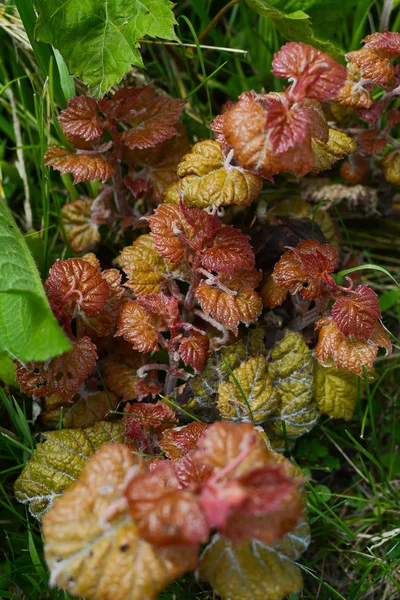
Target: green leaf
<point>293,26</point>
<point>99,38</point>
<point>28,328</point>
<point>58,461</point>
<point>7,369</point>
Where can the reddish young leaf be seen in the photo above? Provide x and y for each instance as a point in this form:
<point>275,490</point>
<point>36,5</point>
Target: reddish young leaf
<point>314,74</point>
<point>105,321</point>
<point>194,350</point>
<point>204,224</point>
<point>351,353</point>
<point>190,473</point>
<point>289,125</point>
<point>168,227</point>
<point>164,513</point>
<point>81,118</point>
<point>306,269</point>
<point>271,293</point>
<point>239,304</point>
<point>153,119</point>
<point>372,141</point>
<point>354,170</point>
<point>356,314</point>
<point>140,327</point>
<point>139,419</point>
<point>386,43</point>
<point>62,375</point>
<point>178,441</point>
<point>122,103</point>
<point>374,66</point>
<point>84,167</point>
<point>74,285</point>
<point>164,306</point>
<point>371,115</point>
<point>353,93</point>
<point>230,251</point>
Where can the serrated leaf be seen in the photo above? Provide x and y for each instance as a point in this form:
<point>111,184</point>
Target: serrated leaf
<point>249,394</point>
<point>335,392</point>
<point>81,231</point>
<point>58,461</point>
<point>338,146</point>
<point>291,369</point>
<point>252,570</point>
<point>99,40</point>
<point>28,329</point>
<point>84,167</point>
<point>140,327</point>
<point>92,545</point>
<point>147,271</point>
<point>87,408</point>
<point>206,180</point>
<point>200,393</point>
<point>294,26</point>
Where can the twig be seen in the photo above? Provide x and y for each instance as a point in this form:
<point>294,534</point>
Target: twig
<point>214,21</point>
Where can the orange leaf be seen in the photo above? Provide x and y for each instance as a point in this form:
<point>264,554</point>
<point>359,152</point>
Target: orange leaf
<point>314,74</point>
<point>356,313</point>
<point>154,119</point>
<point>140,327</point>
<point>373,66</point>
<point>167,226</point>
<point>229,252</point>
<point>164,306</point>
<point>84,167</point>
<point>353,93</point>
<point>354,170</point>
<point>351,353</point>
<point>105,321</point>
<point>178,441</point>
<point>75,285</point>
<point>62,375</point>
<point>271,293</point>
<point>194,350</point>
<point>82,233</point>
<point>164,513</point>
<point>228,308</point>
<point>81,118</point>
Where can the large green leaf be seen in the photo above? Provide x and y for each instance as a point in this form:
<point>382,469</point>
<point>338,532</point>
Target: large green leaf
<point>28,329</point>
<point>99,38</point>
<point>293,26</point>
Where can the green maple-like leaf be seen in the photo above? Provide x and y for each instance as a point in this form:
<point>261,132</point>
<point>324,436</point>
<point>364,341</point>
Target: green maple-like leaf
<point>58,461</point>
<point>99,38</point>
<point>28,329</point>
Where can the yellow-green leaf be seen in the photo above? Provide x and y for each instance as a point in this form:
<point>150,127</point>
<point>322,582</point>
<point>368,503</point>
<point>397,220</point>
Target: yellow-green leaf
<point>249,394</point>
<point>253,571</point>
<point>336,391</point>
<point>58,461</point>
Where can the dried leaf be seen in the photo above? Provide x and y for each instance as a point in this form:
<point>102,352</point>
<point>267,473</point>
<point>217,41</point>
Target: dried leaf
<point>81,118</point>
<point>178,441</point>
<point>356,313</point>
<point>75,285</point>
<point>147,271</point>
<point>349,352</point>
<point>84,167</point>
<point>338,146</point>
<point>93,548</point>
<point>291,370</point>
<point>207,179</point>
<point>252,570</point>
<point>336,391</point>
<point>62,375</point>
<point>250,379</point>
<point>140,327</point>
<point>165,513</point>
<point>229,309</point>
<point>82,233</point>
<point>391,167</point>
<point>315,74</point>
<point>153,119</point>
<point>58,461</point>
<point>194,350</point>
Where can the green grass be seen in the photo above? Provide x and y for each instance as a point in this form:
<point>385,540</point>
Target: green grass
<point>353,468</point>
